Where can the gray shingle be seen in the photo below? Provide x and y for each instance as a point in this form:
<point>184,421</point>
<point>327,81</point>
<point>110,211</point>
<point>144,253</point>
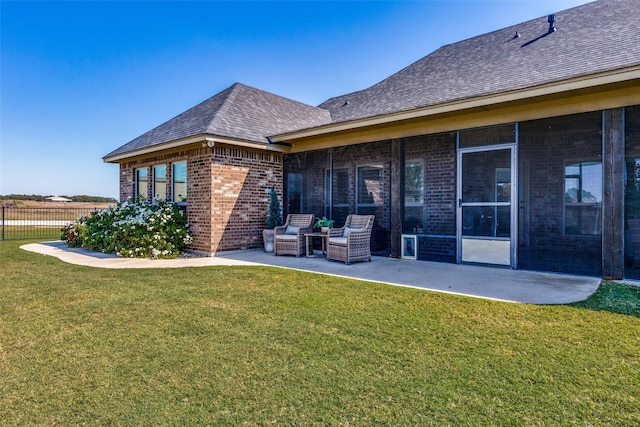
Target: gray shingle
<point>592,38</point>
<point>238,112</point>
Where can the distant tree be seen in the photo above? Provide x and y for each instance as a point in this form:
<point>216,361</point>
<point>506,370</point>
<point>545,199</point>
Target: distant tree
<point>39,198</point>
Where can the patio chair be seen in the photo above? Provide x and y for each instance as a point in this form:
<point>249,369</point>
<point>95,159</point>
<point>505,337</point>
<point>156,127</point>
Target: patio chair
<point>351,242</point>
<point>289,238</point>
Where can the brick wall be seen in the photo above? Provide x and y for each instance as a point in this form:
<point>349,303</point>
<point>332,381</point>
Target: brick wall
<point>312,165</point>
<point>127,182</point>
<point>199,198</point>
<point>439,155</point>
<point>241,180</point>
<point>438,152</point>
<point>227,193</point>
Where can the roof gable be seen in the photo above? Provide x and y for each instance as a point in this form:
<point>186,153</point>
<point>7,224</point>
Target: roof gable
<point>239,112</point>
<point>589,39</point>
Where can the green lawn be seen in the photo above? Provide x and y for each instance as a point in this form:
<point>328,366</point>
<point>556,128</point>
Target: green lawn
<point>15,232</point>
<point>265,346</point>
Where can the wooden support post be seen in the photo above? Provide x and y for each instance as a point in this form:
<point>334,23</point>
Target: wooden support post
<point>397,192</point>
<point>613,200</point>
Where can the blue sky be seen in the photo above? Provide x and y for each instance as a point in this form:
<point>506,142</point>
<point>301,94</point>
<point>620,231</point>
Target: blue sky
<point>79,79</point>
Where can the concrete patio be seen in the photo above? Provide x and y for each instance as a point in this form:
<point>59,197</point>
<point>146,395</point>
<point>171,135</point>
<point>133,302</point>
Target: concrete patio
<point>501,284</point>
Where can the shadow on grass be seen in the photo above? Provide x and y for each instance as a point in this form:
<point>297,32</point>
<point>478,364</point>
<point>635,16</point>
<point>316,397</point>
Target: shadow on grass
<point>613,297</point>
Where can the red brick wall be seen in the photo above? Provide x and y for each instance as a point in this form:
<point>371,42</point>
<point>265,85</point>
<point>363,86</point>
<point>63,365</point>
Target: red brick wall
<point>241,180</point>
<point>199,198</point>
<point>227,193</point>
<point>127,181</point>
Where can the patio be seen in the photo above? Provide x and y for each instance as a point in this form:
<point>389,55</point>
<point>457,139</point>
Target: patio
<point>502,284</point>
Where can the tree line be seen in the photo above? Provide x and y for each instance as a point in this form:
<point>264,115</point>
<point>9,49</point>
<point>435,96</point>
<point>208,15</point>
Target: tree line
<point>39,198</point>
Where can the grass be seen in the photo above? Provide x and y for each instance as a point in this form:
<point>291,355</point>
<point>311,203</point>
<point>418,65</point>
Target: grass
<point>265,346</point>
<point>21,232</point>
<point>615,298</point>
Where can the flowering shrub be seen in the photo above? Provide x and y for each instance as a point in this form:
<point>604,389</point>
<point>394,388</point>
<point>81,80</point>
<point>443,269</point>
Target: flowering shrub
<point>132,229</point>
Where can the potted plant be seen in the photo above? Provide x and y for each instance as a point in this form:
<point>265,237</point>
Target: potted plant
<point>324,224</point>
<point>274,219</point>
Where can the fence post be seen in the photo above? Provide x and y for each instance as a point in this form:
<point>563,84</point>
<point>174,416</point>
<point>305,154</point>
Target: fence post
<point>3,223</point>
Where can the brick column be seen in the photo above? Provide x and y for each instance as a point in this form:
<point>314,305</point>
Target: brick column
<point>126,181</point>
<point>199,199</point>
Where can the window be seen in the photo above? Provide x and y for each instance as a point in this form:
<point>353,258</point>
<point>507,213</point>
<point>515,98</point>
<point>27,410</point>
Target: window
<point>179,181</point>
<point>413,196</point>
<point>583,198</point>
<point>337,195</point>
<point>142,182</point>
<point>160,182</point>
<point>369,188</point>
<point>294,193</point>
<point>413,183</point>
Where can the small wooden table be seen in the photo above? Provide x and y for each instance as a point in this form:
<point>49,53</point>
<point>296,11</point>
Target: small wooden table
<point>323,237</point>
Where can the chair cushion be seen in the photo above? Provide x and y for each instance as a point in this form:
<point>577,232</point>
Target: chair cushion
<point>291,229</point>
<point>286,237</point>
<point>348,229</point>
<point>341,241</point>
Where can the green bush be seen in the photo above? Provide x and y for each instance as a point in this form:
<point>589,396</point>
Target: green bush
<point>132,229</point>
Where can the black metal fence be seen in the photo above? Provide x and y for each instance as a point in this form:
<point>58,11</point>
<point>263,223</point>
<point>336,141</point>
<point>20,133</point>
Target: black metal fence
<point>37,223</point>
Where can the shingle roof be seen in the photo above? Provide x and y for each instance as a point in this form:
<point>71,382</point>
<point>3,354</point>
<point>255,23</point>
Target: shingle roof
<point>238,112</point>
<point>592,38</point>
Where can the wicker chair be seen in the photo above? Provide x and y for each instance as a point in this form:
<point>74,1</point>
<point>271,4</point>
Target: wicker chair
<point>289,238</point>
<point>351,242</point>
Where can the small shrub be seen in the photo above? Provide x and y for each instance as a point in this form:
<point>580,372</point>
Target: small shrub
<point>132,229</point>
<point>274,218</point>
<point>73,232</point>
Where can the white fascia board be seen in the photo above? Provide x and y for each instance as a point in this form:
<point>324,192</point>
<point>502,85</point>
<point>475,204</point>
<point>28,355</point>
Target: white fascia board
<point>583,82</point>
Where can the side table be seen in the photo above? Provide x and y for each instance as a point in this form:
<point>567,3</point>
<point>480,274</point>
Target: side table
<point>311,236</point>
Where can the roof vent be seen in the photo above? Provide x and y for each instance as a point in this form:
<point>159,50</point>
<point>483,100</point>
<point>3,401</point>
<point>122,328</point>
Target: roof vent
<point>346,102</point>
<point>552,21</point>
<point>516,35</point>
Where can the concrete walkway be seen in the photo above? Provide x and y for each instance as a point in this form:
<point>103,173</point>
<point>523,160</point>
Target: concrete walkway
<point>501,284</point>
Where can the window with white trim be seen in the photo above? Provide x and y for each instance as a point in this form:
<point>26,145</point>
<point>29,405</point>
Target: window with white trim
<point>179,182</point>
<point>160,182</point>
<point>142,183</point>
